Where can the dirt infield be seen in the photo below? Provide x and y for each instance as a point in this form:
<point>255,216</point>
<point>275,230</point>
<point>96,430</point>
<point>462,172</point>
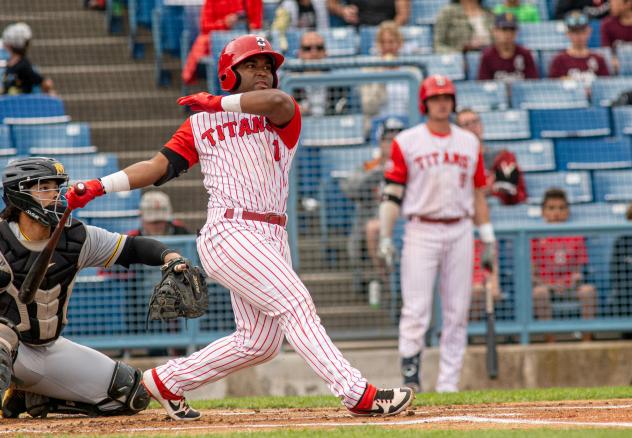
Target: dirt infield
<point>577,414</point>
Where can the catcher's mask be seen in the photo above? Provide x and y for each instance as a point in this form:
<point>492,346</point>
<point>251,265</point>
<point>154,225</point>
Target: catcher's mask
<point>25,177</point>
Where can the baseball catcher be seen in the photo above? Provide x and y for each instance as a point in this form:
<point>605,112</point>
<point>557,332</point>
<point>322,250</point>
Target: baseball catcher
<point>51,374</point>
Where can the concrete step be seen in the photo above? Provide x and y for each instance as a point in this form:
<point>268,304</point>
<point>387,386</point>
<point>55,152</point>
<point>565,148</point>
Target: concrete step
<point>26,7</point>
<point>98,49</point>
<point>116,106</point>
<point>71,23</point>
<point>142,137</point>
<point>96,78</point>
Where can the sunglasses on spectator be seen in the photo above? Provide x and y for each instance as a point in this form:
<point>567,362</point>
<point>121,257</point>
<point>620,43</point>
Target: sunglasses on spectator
<point>318,47</point>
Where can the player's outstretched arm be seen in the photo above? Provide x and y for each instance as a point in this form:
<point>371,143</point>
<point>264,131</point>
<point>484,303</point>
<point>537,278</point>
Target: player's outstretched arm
<point>275,105</point>
<point>485,229</point>
<point>138,175</point>
<point>390,206</point>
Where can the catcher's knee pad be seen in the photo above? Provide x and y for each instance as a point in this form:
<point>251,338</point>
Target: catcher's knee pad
<point>8,350</point>
<point>126,388</point>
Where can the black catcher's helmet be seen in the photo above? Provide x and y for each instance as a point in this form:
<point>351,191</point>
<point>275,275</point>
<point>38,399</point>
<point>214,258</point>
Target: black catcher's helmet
<point>20,176</point>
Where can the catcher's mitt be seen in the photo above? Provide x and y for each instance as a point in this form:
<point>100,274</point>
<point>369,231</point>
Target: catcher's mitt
<point>179,293</point>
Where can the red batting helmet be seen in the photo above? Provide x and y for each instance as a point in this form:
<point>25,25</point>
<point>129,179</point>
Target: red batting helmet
<point>435,85</point>
<point>240,49</point>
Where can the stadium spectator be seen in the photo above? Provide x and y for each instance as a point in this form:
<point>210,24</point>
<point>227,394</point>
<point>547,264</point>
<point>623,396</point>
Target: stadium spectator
<point>558,262</point>
<point>364,187</point>
<point>594,9</point>
<point>578,61</point>
<point>316,100</point>
<point>392,97</point>
<point>370,12</point>
<point>621,273</point>
<point>221,15</point>
<point>617,28</point>
<point>299,14</point>
<point>461,26</point>
<point>506,60</point>
<point>504,177</point>
<point>19,75</point>
<point>157,216</point>
<point>525,12</point>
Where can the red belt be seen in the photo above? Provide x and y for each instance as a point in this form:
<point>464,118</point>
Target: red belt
<point>271,218</point>
<point>450,220</point>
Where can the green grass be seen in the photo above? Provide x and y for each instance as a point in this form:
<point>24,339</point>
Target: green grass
<point>426,399</point>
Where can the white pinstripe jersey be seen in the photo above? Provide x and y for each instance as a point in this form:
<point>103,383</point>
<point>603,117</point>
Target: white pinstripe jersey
<point>245,159</point>
<point>440,171</point>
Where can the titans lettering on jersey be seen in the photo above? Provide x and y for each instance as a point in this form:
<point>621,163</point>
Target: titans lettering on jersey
<point>440,171</point>
<point>245,159</point>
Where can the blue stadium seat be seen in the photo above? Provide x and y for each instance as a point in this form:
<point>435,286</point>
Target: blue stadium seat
<point>593,153</point>
<point>622,116</point>
<point>482,95</point>
<point>341,41</point>
<point>220,38</point>
<point>515,215</point>
<point>6,145</point>
<point>32,109</point>
<point>542,5</point>
<point>450,65</point>
<point>613,185</point>
<point>506,125</point>
<point>190,30</point>
<point>119,205</point>
<point>546,57</point>
<point>85,167</point>
<point>548,94</point>
<point>624,54</point>
<point>532,155</point>
<point>56,139</point>
<point>576,184</point>
<point>293,39</point>
<point>472,62</point>
<point>417,40</point>
<point>598,212</point>
<point>121,225</point>
<point>605,90</point>
<point>425,11</point>
<point>582,122</point>
<point>545,35</point>
<point>333,130</point>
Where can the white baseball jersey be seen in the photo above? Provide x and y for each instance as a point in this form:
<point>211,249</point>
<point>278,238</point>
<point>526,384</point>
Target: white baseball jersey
<point>246,162</point>
<point>439,171</point>
<point>244,158</point>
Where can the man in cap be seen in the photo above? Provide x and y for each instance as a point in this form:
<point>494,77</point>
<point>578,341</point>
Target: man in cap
<point>157,216</point>
<point>506,60</point>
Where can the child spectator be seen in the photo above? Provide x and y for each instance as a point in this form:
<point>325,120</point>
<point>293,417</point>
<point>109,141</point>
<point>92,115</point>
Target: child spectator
<point>221,15</point>
<point>578,61</point>
<point>525,12</point>
<point>594,9</point>
<point>370,12</point>
<point>19,76</point>
<point>558,262</point>
<point>506,60</point>
<point>379,99</point>
<point>461,26</point>
<point>317,100</point>
<point>617,28</point>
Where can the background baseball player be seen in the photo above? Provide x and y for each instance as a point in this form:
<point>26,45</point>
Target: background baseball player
<point>53,374</point>
<point>436,177</point>
<point>245,143</point>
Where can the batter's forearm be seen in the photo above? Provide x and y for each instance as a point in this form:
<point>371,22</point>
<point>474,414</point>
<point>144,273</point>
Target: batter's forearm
<point>388,214</point>
<point>143,174</point>
<point>481,208</point>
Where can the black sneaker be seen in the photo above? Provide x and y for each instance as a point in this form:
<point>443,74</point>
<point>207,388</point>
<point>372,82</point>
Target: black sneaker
<point>176,409</point>
<point>410,372</point>
<point>13,403</point>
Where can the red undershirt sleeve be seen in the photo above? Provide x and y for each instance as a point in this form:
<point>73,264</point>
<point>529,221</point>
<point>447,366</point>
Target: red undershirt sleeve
<point>396,169</point>
<point>183,143</point>
<point>292,129</point>
<point>480,180</point>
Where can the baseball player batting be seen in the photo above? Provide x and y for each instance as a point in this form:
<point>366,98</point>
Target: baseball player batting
<point>245,143</point>
<point>436,178</point>
<point>51,373</point>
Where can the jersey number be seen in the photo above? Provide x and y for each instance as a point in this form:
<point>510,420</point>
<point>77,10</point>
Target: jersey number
<point>462,179</point>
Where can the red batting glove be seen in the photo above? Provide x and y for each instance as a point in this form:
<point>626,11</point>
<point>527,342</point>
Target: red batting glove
<point>202,102</point>
<point>94,188</point>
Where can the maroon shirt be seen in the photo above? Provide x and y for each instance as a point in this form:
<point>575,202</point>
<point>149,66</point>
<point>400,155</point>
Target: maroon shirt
<point>612,31</point>
<point>519,66</point>
<point>566,65</point>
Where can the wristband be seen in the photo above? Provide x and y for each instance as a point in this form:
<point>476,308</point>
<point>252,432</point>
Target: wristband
<point>115,182</point>
<point>486,231</point>
<point>232,103</point>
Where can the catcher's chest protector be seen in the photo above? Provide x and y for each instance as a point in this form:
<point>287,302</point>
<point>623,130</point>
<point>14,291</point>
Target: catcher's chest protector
<point>46,324</point>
